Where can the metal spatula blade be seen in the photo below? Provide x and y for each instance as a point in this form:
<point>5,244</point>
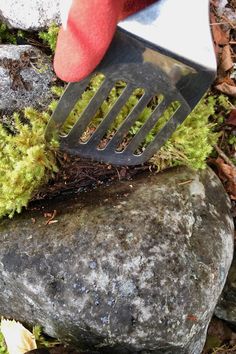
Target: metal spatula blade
<point>136,58</point>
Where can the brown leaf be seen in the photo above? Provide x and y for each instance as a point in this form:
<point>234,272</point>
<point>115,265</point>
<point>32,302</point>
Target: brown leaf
<point>227,174</point>
<point>227,89</point>
<point>218,51</point>
<point>220,330</point>
<point>232,118</point>
<point>228,80</point>
<point>226,59</point>
<point>220,36</point>
<point>232,3</point>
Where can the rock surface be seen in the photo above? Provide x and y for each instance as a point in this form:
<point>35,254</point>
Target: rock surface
<point>226,308</point>
<point>29,15</point>
<point>26,75</point>
<point>135,267</point>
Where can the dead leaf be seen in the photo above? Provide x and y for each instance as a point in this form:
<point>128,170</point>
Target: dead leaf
<point>219,35</point>
<point>226,59</point>
<point>218,51</point>
<point>227,174</point>
<point>232,3</point>
<point>228,80</point>
<point>220,330</point>
<point>232,118</point>
<point>227,89</point>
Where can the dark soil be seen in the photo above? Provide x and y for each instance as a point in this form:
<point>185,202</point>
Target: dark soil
<point>76,174</point>
<point>62,349</point>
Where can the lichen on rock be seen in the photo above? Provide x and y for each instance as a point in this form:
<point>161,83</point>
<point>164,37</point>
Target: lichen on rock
<point>26,77</point>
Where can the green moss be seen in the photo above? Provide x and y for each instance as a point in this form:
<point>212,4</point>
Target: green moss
<point>26,161</point>
<point>232,140</point>
<point>3,348</point>
<point>43,341</point>
<point>9,36</point>
<point>5,35</point>
<point>50,36</point>
<point>193,141</point>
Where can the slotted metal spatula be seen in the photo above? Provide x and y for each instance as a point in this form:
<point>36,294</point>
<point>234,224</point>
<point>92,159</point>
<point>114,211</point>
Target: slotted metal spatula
<point>165,49</point>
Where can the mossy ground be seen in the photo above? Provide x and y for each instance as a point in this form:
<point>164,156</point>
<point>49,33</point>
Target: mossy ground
<point>27,161</point>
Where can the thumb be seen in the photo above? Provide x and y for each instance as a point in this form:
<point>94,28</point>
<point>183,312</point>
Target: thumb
<point>90,27</point>
<point>81,46</point>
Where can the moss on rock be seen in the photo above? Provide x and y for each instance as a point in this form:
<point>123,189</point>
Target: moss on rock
<point>26,161</point>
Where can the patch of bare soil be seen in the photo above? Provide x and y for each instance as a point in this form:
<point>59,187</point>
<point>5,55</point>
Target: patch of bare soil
<point>76,174</point>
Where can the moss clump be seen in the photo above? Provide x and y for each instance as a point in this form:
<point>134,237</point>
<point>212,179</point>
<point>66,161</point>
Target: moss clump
<point>5,35</point>
<point>49,37</point>
<point>3,348</point>
<point>26,161</point>
<point>193,141</point>
<point>43,341</point>
<point>9,36</point>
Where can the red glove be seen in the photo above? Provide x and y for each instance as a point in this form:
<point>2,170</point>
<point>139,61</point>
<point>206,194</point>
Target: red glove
<point>90,27</point>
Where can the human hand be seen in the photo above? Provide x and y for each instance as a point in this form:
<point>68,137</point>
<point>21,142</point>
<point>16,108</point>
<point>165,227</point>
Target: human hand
<point>89,29</point>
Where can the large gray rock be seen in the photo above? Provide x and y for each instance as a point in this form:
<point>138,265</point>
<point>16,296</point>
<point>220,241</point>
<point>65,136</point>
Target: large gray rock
<point>226,308</point>
<point>26,76</point>
<point>135,267</point>
<point>29,14</point>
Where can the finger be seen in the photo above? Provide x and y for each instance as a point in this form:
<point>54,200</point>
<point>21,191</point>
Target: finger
<point>90,28</point>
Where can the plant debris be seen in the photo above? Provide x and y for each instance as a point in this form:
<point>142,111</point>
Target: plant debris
<point>227,174</point>
<point>223,24</point>
<point>221,338</point>
<point>15,67</point>
<point>76,174</point>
